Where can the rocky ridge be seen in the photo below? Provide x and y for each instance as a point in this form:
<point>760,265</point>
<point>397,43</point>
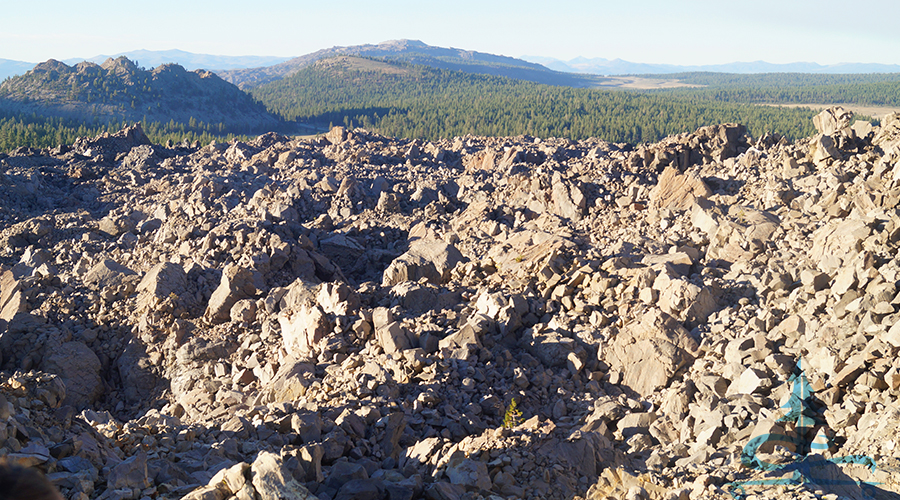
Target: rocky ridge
<point>119,89</point>
<point>355,316</point>
<point>414,52</point>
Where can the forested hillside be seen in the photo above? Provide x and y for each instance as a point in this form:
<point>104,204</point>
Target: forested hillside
<point>35,131</point>
<point>415,52</point>
<point>877,89</point>
<point>55,103</point>
<point>418,101</point>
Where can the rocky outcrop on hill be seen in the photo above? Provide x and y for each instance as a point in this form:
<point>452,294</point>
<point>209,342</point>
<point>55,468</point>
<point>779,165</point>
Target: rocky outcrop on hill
<point>414,52</point>
<point>119,90</point>
<point>361,317</point>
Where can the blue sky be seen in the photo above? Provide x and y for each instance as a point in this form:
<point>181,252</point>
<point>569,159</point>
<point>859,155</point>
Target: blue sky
<point>650,31</point>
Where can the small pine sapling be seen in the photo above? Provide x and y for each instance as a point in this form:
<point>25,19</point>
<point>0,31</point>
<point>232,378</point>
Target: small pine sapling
<point>513,415</point>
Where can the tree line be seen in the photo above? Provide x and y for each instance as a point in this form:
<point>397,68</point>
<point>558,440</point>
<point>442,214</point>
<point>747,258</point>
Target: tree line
<point>431,103</point>
<point>37,131</point>
<point>875,89</point>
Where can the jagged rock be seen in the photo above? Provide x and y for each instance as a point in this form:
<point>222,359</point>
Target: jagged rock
<point>555,349</point>
<point>161,281</point>
<point>343,250</point>
<point>651,350</point>
<point>678,191</point>
<point>274,480</point>
<point>290,382</point>
<point>130,473</point>
<point>743,236</point>
<point>832,120</point>
<point>471,474</point>
<point>12,297</point>
<point>237,283</point>
<point>303,329</point>
<point>822,149</point>
<point>393,338</point>
<point>109,275</point>
<point>684,300</point>
<point>432,261</point>
<point>567,199</point>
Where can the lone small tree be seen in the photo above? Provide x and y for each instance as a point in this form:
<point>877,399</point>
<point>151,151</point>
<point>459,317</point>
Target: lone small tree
<point>513,415</point>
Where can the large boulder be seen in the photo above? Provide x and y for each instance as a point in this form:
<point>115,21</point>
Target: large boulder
<point>163,279</point>
<point>237,283</point>
<point>566,199</point>
<point>274,479</point>
<point>648,352</point>
<point>432,260</point>
<point>832,120</point>
<point>678,191</point>
<point>165,283</point>
<point>303,328</point>
<point>109,275</point>
<point>79,368</point>
<point>12,298</point>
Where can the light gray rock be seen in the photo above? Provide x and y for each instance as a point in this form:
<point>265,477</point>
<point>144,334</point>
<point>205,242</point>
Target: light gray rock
<point>302,329</point>
<point>650,351</point>
<point>393,338</point>
<point>108,274</point>
<point>162,281</point>
<point>273,480</point>
<point>832,120</point>
<point>678,191</point>
<point>431,260</point>
<point>237,283</point>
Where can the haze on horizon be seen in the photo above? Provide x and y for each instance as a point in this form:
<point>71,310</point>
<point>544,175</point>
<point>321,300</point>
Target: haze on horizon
<point>648,31</point>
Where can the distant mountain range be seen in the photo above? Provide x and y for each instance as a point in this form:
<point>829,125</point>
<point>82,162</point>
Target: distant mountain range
<point>187,60</point>
<point>10,68</point>
<point>154,58</point>
<point>600,66</point>
<point>249,71</point>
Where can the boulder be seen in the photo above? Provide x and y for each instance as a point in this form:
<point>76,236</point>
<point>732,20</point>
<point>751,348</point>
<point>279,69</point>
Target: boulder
<point>302,329</point>
<point>566,199</point>
<point>431,260</point>
<point>273,479</point>
<point>832,120</point>
<point>163,280</point>
<point>130,473</point>
<point>110,275</point>
<point>684,300</point>
<point>649,351</point>
<point>678,191</point>
<point>343,250</point>
<point>471,474</point>
<point>79,368</point>
<point>12,298</point>
<point>237,283</point>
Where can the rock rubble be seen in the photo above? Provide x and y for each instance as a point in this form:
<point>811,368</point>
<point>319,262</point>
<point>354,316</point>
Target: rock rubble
<point>352,316</point>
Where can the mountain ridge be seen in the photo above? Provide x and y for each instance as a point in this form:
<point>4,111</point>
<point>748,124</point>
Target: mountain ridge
<point>189,60</point>
<point>255,70</point>
<point>417,52</point>
<point>602,66</point>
